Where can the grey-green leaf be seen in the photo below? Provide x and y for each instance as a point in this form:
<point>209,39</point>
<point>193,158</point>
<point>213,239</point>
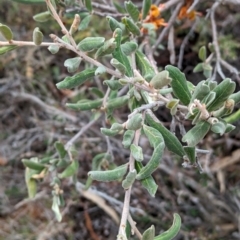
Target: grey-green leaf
<point>146,7</point>
<point>179,84</point>
<point>149,234</point>
<point>55,208</point>
<point>129,180</point>
<point>200,91</point>
<point>30,1</point>
<point>131,26</point>
<point>85,104</point>
<point>42,17</point>
<point>88,4</point>
<point>153,163</point>
<point>109,132</point>
<point>145,67</point>
<point>37,36</point>
<point>128,138</point>
<point>135,122</point>
<point>197,133</point>
<point>33,164</point>
<point>89,44</point>
<point>84,23</point>
<point>171,141</point>
<point>119,66</point>
<point>136,152</point>
<point>190,153</point>
<point>172,231</point>
<point>77,79</point>
<point>6,49</point>
<point>70,170</point>
<point>202,53</point>
<point>148,183</point>
<point>128,48</point>
<point>219,127</point>
<point>132,10</point>
<point>6,32</point>
<point>113,84</point>
<point>109,175</point>
<point>60,149</point>
<point>114,24</point>
<point>72,64</point>
<point>223,91</point>
<point>53,48</point>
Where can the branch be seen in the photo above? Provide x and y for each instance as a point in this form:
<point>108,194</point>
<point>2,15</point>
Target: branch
<point>125,211</point>
<point>170,23</point>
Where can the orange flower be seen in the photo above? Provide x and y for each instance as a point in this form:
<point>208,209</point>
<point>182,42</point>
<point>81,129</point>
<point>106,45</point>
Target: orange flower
<point>153,17</point>
<point>183,11</point>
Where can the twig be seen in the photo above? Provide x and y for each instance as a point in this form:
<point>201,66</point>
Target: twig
<point>184,43</point>
<point>125,211</point>
<point>170,23</point>
<point>49,109</point>
<point>171,46</point>
<point>59,21</point>
<point>146,106</point>
<point>192,6</point>
<point>215,40</point>
<point>26,43</point>
<point>133,226</point>
<point>86,58</point>
<point>168,4</point>
<point>83,129</point>
<point>104,14</point>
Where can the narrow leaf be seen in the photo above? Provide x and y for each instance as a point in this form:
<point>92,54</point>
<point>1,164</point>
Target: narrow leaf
<point>33,164</point>
<point>145,67</point>
<point>6,49</point>
<point>149,233</point>
<point>135,122</point>
<point>42,17</point>
<point>131,26</point>
<point>6,32</point>
<point>84,23</point>
<point>132,10</point>
<point>172,231</point>
<point>89,44</point>
<point>128,138</point>
<point>197,133</point>
<point>88,4</point>
<point>190,153</point>
<point>72,64</point>
<point>55,208</point>
<point>60,149</point>
<point>118,54</point>
<point>148,183</point>
<point>223,91</point>
<point>146,7</point>
<point>128,48</point>
<point>136,151</point>
<point>153,163</point>
<point>37,36</point>
<point>30,1</point>
<point>77,79</point>
<point>114,24</point>
<point>53,49</point>
<point>171,141</point>
<point>179,84</point>
<point>109,175</point>
<point>129,180</point>
<point>202,54</point>
<point>84,105</point>
<point>70,170</point>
